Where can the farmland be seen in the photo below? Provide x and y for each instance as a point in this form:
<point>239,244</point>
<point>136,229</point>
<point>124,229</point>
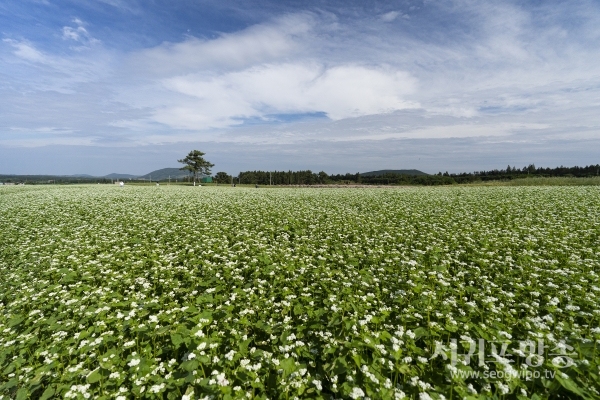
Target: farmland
<point>183,292</point>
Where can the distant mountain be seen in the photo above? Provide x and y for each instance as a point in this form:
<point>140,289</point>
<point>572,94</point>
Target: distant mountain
<point>119,176</point>
<point>395,171</point>
<point>80,176</point>
<point>165,173</point>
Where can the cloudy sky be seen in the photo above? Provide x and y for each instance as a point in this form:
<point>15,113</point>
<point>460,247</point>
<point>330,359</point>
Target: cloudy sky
<point>101,86</point>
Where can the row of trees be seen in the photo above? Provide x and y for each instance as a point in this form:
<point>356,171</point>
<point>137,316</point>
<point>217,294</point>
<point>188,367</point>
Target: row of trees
<point>283,178</point>
<point>515,173</point>
<point>311,178</point>
<point>315,178</point>
<point>197,165</point>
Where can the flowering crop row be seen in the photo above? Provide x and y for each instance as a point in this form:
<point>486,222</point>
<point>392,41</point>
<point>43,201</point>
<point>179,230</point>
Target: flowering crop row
<point>183,293</point>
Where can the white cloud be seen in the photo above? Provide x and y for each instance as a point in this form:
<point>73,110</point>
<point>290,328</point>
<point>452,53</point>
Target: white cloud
<point>26,51</point>
<point>36,70</point>
<point>341,92</point>
<point>73,33</point>
<point>390,16</point>
<point>49,130</point>
<point>79,34</point>
<point>254,45</point>
<point>271,68</point>
<point>123,5</point>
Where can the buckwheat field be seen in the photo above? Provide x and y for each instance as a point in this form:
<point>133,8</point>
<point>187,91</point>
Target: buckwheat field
<point>217,292</point>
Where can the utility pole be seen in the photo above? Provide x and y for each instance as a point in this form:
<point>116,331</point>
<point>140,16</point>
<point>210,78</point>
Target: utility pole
<point>270,182</point>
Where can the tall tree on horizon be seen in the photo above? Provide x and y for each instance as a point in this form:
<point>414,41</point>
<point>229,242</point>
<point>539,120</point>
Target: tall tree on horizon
<point>196,164</point>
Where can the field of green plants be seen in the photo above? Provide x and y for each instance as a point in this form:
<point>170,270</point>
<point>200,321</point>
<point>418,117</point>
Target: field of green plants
<point>188,292</point>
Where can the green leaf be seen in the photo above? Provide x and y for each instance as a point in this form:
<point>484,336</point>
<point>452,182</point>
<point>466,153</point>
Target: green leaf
<point>22,394</point>
<point>163,330</point>
<point>69,278</point>
<point>340,366</point>
<point>176,339</point>
<point>37,378</point>
<point>190,365</point>
<point>191,310</point>
<point>288,365</point>
<point>298,309</point>
<point>94,376</point>
<point>262,326</point>
<point>9,384</point>
<point>420,332</point>
<point>16,320</point>
<point>336,320</point>
<point>482,333</point>
<point>83,335</point>
<point>404,369</point>
<point>570,385</point>
<point>48,393</point>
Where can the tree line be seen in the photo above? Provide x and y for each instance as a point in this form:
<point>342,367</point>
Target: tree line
<point>528,171</point>
<point>307,177</point>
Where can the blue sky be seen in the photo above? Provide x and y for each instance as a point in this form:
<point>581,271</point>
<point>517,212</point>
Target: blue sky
<point>130,86</point>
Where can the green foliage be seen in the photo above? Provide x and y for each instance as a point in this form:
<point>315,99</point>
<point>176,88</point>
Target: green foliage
<point>394,172</point>
<point>513,173</point>
<point>282,177</point>
<point>196,164</point>
<point>223,177</point>
<point>548,181</point>
<point>310,178</point>
<point>177,293</point>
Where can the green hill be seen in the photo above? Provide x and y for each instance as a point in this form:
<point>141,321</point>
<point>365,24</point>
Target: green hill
<point>394,171</point>
<point>164,174</point>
